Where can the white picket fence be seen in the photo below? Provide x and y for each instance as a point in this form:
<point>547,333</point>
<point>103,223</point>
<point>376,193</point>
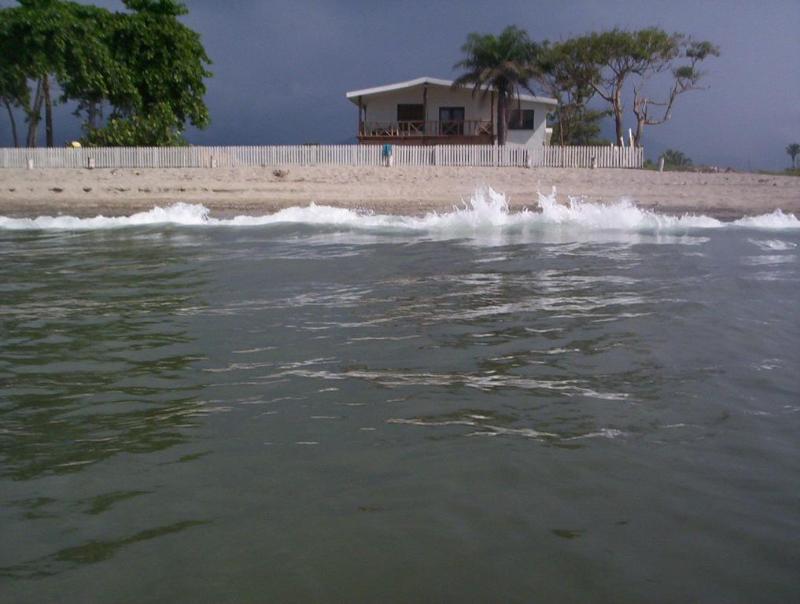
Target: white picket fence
<point>584,157</point>
<point>312,155</point>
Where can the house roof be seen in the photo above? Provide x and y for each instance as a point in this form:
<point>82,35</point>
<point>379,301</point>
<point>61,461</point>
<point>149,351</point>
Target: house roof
<point>354,94</point>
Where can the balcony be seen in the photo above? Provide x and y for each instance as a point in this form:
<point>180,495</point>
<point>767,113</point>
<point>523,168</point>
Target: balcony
<point>418,132</point>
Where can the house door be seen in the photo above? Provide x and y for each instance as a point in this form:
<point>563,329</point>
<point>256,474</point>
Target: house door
<point>411,119</point>
<point>451,121</point>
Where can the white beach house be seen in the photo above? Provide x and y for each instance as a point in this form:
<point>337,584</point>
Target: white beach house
<point>429,111</point>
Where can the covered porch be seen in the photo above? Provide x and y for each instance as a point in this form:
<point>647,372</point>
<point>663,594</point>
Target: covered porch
<point>425,111</point>
<point>426,132</point>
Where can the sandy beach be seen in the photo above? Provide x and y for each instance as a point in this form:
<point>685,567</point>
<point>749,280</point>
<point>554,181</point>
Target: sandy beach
<point>385,190</point>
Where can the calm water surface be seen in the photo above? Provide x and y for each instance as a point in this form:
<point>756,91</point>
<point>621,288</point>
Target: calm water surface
<point>292,413</point>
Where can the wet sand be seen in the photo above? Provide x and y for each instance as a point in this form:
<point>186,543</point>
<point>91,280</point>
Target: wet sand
<point>393,190</point>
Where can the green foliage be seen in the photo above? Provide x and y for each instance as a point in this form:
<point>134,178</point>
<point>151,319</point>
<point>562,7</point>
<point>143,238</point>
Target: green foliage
<point>581,126</point>
<point>35,36</point>
<point>94,72</point>
<point>567,77</point>
<point>144,65</point>
<point>793,150</point>
<point>612,65</point>
<point>620,53</point>
<point>676,159</point>
<point>504,63</point>
<point>34,43</point>
<point>154,129</point>
<point>14,91</point>
<point>786,172</point>
<point>166,60</point>
<point>158,7</point>
<point>13,82</point>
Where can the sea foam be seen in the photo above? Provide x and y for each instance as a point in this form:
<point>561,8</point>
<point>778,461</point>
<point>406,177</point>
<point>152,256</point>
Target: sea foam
<point>485,211</point>
<point>776,245</point>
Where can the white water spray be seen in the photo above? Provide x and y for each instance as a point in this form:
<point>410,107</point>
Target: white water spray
<point>486,211</point>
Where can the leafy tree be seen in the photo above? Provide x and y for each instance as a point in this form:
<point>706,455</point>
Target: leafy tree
<point>166,62</point>
<point>33,42</point>
<point>503,63</point>
<point>676,159</point>
<point>94,74</point>
<point>582,126</point>
<point>621,57</point>
<point>156,128</point>
<point>13,83</point>
<point>793,150</point>
<point>145,65</point>
<point>565,76</point>
<point>56,42</point>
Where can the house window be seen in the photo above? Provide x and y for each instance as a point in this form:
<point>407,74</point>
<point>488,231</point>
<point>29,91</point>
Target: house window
<point>410,119</point>
<point>410,113</point>
<point>451,121</point>
<point>521,119</point>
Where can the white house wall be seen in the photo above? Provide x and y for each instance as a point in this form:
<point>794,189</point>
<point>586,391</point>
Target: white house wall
<point>535,137</point>
<point>382,107</point>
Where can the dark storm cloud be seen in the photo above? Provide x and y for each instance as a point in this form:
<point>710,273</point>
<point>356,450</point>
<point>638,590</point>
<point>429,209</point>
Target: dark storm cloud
<point>281,68</point>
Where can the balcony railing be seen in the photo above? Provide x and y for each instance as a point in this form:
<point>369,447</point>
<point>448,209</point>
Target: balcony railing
<point>419,128</point>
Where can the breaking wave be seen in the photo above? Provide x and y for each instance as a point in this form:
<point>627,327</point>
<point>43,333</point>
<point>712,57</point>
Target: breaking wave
<point>486,211</point>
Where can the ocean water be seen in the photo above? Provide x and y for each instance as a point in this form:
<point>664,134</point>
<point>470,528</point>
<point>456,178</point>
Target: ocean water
<point>582,403</point>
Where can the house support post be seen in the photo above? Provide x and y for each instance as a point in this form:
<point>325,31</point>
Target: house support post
<point>359,132</point>
<point>491,120</point>
<point>424,110</point>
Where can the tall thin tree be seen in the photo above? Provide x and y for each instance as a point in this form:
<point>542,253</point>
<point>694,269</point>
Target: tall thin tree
<point>793,150</point>
<point>501,63</point>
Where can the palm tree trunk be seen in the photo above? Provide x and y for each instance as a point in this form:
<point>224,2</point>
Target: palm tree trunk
<point>502,122</point>
<point>48,111</point>
<point>494,130</point>
<point>13,122</point>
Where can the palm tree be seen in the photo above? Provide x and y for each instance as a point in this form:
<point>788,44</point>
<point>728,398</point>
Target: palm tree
<point>501,63</point>
<point>793,150</point>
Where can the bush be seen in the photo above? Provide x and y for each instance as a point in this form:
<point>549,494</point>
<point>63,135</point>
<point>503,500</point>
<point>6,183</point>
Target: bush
<point>676,159</point>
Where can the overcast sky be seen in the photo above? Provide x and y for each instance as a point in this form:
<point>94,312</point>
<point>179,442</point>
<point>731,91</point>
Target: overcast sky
<point>281,69</point>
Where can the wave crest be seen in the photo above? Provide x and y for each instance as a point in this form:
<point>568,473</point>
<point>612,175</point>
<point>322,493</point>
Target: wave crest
<point>486,211</point>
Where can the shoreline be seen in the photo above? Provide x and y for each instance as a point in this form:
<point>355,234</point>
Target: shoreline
<point>396,190</point>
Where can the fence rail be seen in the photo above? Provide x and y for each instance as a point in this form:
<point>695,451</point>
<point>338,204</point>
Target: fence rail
<point>311,155</point>
<point>416,128</point>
